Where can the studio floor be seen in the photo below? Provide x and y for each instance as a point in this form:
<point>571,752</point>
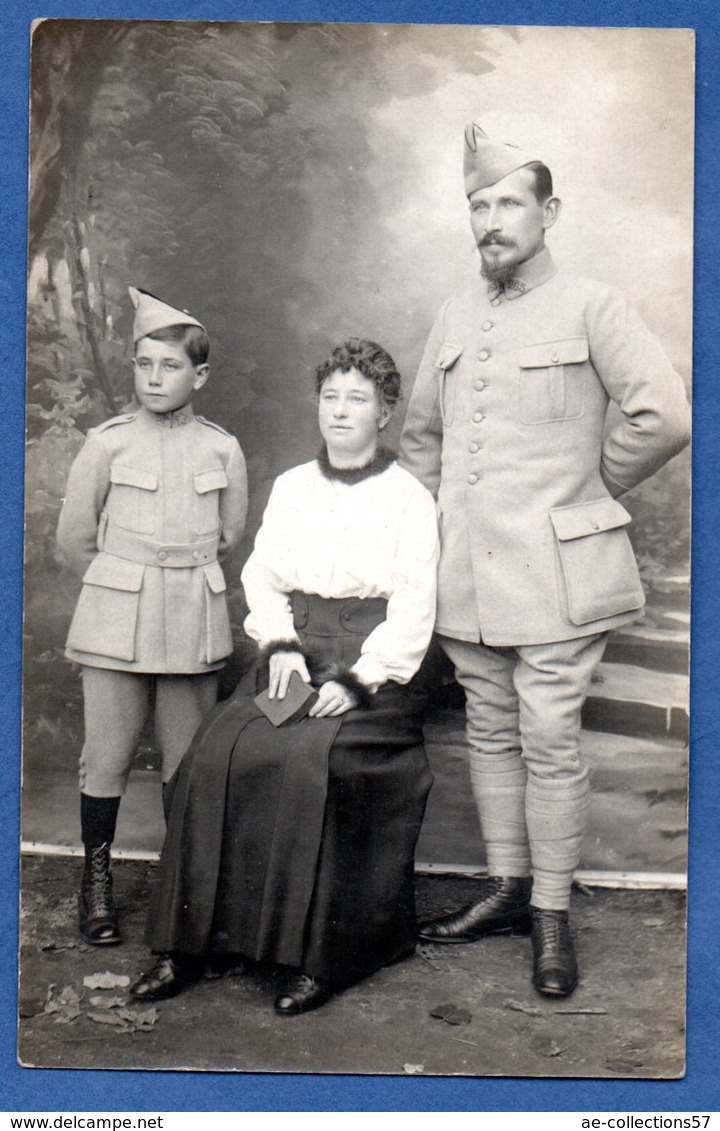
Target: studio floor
<point>462,1010</point>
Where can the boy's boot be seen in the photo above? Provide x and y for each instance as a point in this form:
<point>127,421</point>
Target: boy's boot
<point>97,914</point>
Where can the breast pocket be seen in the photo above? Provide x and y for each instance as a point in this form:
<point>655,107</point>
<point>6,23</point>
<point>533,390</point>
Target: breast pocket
<point>208,484</point>
<point>131,503</point>
<point>597,565</point>
<point>446,369</point>
<point>552,380</point>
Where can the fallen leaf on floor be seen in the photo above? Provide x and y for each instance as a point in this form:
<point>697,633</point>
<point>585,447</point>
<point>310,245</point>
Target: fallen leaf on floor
<point>616,1064</point>
<point>107,1002</point>
<point>522,1007</point>
<point>106,981</point>
<point>413,1069</point>
<point>65,1004</point>
<point>451,1014</point>
<point>127,1020</point>
<point>653,922</point>
<point>49,946</point>
<point>554,1049</point>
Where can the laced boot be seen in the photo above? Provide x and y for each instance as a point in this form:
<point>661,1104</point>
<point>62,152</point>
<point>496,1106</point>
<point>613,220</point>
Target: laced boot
<point>504,907</point>
<point>555,970</point>
<point>98,917</point>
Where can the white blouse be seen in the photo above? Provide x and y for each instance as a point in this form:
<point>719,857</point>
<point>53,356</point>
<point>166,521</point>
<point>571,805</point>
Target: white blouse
<point>375,538</point>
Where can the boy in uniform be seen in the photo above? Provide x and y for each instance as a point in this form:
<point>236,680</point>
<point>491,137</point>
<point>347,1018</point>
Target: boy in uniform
<point>155,500</point>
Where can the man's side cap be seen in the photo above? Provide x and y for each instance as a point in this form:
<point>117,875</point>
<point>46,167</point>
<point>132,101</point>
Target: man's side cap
<point>487,161</point>
<point>153,314</point>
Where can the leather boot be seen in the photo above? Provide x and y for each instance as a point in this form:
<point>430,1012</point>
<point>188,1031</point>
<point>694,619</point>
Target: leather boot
<point>504,907</point>
<point>555,970</point>
<point>98,917</point>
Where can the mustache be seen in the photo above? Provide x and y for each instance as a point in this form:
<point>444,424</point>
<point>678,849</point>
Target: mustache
<point>492,239</point>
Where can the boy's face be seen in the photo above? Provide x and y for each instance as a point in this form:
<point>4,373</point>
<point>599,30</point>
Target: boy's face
<point>165,377</point>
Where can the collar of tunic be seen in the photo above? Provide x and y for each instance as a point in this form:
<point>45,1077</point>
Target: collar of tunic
<point>529,274</point>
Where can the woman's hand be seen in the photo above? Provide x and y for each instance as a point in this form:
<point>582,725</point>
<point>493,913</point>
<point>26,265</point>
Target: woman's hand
<point>333,699</point>
<point>281,666</point>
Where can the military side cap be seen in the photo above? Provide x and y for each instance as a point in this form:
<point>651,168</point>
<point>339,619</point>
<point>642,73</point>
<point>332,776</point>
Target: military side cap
<point>488,161</point>
<point>153,314</point>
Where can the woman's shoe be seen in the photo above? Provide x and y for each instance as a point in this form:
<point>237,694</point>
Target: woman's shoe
<point>171,974</point>
<point>303,993</point>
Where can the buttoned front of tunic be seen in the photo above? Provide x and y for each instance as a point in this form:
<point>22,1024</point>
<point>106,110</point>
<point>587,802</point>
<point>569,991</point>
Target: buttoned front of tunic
<point>506,426</point>
<point>152,502</point>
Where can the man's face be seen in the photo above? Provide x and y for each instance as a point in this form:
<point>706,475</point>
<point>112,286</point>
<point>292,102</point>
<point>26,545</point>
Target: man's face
<point>509,224</point>
<point>165,377</point>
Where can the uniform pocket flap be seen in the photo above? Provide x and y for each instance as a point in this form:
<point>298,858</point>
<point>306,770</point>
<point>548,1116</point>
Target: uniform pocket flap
<point>134,477</point>
<point>448,355</point>
<point>212,479</point>
<point>567,351</point>
<point>215,577</point>
<point>114,573</point>
<point>588,518</point>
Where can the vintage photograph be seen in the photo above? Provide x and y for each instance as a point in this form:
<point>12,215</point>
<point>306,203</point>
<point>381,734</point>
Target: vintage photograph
<point>357,549</point>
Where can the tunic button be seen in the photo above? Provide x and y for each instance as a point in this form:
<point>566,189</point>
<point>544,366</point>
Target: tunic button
<point>472,479</point>
<point>595,525</point>
<point>477,417</point>
<point>483,355</point>
<point>479,385</point>
<point>474,447</point>
<point>555,358</point>
<point>487,325</point>
<point>196,554</point>
<point>162,555</point>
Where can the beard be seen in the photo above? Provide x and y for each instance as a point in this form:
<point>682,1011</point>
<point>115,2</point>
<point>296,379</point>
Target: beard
<point>495,272</point>
<point>493,269</point>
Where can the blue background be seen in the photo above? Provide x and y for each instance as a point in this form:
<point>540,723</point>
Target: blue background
<point>32,1090</point>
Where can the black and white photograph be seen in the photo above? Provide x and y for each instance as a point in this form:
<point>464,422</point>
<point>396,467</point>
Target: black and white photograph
<point>357,549</point>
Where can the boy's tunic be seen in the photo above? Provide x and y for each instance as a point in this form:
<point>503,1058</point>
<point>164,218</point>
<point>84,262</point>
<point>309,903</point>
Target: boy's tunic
<point>152,502</point>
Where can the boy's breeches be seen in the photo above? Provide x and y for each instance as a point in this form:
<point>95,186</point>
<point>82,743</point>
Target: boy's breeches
<point>116,706</point>
<point>529,782</point>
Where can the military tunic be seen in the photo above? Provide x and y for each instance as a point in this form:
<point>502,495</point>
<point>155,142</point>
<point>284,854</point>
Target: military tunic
<point>152,502</point>
<point>506,427</point>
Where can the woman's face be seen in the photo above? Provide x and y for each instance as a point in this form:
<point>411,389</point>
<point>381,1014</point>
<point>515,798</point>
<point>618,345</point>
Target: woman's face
<point>349,414</point>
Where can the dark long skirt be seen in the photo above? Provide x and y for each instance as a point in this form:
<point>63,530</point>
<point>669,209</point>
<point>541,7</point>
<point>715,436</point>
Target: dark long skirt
<point>295,845</point>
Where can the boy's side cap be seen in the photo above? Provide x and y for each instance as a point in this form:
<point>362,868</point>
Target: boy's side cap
<point>153,314</point>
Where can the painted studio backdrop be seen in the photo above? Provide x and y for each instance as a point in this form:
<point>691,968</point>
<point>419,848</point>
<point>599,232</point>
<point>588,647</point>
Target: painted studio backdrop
<point>292,185</point>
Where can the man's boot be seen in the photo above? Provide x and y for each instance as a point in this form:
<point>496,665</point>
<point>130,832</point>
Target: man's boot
<point>503,908</point>
<point>98,918</point>
<point>554,967</point>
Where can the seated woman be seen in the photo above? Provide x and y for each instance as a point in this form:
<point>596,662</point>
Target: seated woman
<point>294,844</point>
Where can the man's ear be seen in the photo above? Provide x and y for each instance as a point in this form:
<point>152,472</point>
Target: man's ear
<point>201,375</point>
<point>551,210</point>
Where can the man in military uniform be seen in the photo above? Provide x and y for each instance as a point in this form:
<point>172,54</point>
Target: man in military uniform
<point>154,499</point>
<point>506,425</point>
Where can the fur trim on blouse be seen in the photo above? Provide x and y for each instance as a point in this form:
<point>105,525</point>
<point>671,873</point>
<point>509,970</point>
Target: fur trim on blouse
<point>380,462</point>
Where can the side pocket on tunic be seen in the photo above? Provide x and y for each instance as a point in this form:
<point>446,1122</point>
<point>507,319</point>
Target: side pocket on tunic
<point>597,563</point>
<point>105,619</point>
<point>218,636</point>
